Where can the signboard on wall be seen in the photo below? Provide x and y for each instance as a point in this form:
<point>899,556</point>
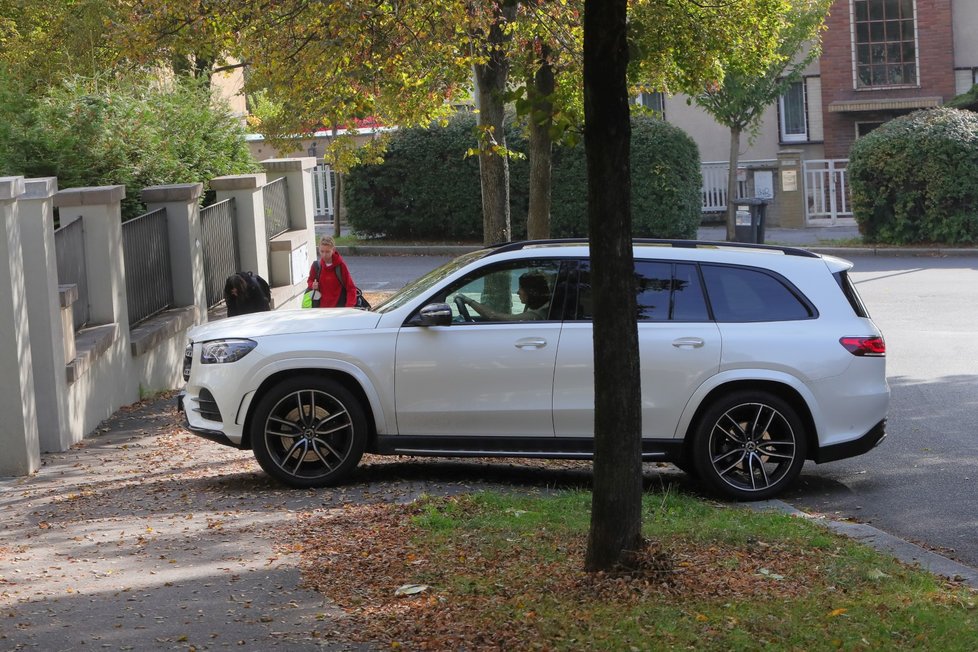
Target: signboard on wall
<point>789,180</point>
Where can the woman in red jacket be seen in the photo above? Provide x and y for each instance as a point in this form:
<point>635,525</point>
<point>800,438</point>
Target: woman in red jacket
<point>323,276</point>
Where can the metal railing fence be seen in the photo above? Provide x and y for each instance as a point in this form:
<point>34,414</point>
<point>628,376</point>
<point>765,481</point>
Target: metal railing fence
<point>69,247</point>
<point>149,277</point>
<point>276,207</point>
<point>219,240</point>
<point>827,191</point>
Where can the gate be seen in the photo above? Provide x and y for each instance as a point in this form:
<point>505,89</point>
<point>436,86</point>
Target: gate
<point>827,193</point>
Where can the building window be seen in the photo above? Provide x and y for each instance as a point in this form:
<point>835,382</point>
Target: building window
<point>863,128</point>
<point>794,125</point>
<point>885,43</point>
<point>655,102</point>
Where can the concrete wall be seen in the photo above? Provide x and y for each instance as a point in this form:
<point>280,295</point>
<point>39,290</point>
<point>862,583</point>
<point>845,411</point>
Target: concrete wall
<point>59,384</point>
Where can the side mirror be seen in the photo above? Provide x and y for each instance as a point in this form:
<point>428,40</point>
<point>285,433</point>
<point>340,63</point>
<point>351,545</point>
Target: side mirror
<point>434,314</point>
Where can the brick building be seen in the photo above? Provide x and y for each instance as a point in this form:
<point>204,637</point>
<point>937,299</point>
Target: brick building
<point>880,59</point>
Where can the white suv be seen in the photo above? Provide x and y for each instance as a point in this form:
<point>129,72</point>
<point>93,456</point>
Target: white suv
<point>754,359</point>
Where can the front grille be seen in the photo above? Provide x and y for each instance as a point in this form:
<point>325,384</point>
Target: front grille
<point>207,406</point>
<point>188,360</point>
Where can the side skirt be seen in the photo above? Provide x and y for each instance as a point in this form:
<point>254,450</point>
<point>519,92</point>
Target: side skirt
<point>662,450</point>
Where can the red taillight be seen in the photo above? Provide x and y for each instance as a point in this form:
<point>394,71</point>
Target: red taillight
<point>864,345</point>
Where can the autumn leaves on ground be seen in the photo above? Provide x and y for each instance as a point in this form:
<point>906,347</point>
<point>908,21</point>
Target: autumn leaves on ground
<point>504,571</point>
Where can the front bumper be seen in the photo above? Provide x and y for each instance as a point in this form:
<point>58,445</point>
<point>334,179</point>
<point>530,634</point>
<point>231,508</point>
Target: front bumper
<point>206,433</point>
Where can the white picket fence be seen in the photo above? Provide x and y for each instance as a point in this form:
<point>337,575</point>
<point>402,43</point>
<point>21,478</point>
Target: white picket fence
<point>323,180</point>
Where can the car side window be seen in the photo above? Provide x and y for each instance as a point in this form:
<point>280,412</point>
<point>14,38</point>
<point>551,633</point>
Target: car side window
<point>665,291</point>
<point>740,294</point>
<point>514,291</point>
<point>669,291</point>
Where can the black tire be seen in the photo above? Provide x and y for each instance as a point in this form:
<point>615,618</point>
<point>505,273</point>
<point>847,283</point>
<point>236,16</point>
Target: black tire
<point>309,432</point>
<point>749,445</point>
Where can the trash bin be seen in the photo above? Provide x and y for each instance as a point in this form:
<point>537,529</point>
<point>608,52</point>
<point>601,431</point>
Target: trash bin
<point>749,220</point>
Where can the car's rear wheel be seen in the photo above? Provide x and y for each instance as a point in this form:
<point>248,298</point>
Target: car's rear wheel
<point>749,445</point>
<point>309,432</point>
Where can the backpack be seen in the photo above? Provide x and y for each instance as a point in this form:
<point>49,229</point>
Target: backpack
<point>252,294</point>
<point>361,303</point>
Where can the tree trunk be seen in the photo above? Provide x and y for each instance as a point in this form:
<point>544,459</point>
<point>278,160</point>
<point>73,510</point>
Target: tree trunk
<point>337,198</point>
<point>732,185</point>
<point>541,149</point>
<point>490,83</point>
<point>616,505</point>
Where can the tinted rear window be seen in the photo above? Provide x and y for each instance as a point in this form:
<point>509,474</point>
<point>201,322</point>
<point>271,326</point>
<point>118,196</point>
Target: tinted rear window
<point>740,294</point>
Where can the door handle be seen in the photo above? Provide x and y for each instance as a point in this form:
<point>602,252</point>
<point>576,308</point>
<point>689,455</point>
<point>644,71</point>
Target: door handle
<point>531,343</point>
<point>688,343</point>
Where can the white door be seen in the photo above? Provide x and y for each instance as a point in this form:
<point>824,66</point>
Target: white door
<point>486,375</point>
<point>679,348</point>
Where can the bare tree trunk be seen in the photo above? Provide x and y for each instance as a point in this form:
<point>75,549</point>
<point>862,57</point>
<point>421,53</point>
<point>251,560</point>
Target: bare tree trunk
<point>616,506</point>
<point>337,194</point>
<point>732,185</point>
<point>490,82</point>
<point>541,149</point>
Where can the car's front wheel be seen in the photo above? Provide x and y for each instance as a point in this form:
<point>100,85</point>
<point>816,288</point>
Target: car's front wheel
<point>749,445</point>
<point>309,432</point>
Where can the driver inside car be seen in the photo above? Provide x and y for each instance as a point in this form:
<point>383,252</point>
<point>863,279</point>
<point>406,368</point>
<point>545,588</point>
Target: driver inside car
<point>533,291</point>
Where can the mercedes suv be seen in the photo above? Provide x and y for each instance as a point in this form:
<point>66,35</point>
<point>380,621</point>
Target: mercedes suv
<point>753,359</point>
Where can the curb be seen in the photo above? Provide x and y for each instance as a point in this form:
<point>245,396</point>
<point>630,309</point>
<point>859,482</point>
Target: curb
<point>908,553</point>
<point>406,250</point>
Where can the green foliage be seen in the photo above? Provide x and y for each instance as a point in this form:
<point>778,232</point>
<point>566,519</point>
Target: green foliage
<point>427,188</point>
<point>426,185</point>
<point>915,179</point>
<point>133,132</point>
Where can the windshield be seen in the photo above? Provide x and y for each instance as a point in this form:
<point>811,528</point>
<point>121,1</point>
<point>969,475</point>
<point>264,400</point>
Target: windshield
<point>424,284</point>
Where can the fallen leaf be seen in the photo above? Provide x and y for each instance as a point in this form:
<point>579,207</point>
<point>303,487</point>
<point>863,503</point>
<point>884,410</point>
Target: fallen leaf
<point>411,589</point>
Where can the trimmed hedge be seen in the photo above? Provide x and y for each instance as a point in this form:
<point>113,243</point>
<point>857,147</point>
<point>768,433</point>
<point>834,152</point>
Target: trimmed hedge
<point>128,131</point>
<point>427,189</point>
<point>915,179</point>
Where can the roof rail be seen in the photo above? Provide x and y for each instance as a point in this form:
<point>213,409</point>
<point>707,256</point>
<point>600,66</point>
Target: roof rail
<point>501,247</point>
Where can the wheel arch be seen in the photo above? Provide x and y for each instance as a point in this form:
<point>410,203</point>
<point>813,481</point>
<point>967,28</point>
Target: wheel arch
<point>785,392</point>
<point>346,379</point>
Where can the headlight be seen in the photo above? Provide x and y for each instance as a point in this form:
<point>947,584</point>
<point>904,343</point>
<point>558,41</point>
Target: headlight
<point>221,351</point>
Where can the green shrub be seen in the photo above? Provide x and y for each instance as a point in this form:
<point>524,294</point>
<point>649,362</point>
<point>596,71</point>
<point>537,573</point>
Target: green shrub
<point>427,188</point>
<point>125,132</point>
<point>915,179</point>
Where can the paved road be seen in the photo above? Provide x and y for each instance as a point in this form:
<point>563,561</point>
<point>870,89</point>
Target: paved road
<point>922,482</point>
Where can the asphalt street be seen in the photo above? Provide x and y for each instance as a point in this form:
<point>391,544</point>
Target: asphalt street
<point>921,483</point>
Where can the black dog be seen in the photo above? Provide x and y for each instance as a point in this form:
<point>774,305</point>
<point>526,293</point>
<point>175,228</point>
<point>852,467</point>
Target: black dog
<point>246,292</point>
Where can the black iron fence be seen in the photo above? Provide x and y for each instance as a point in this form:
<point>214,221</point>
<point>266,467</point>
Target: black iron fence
<point>276,208</point>
<point>219,240</point>
<point>149,278</point>
<point>69,248</point>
